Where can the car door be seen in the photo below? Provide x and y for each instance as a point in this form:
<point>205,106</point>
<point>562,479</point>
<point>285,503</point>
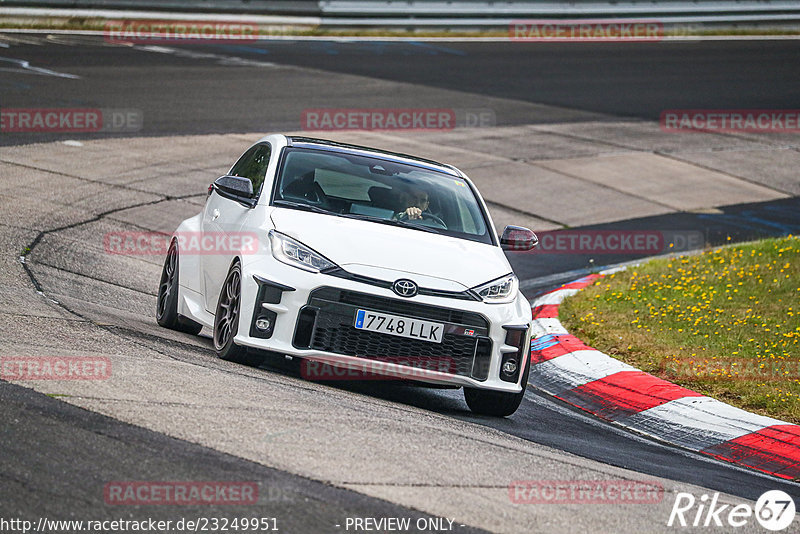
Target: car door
<point>224,218</point>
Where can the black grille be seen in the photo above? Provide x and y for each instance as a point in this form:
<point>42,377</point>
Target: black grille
<point>400,307</point>
<point>333,331</point>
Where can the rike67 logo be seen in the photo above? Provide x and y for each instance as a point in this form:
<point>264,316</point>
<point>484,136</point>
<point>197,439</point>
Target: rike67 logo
<point>774,510</point>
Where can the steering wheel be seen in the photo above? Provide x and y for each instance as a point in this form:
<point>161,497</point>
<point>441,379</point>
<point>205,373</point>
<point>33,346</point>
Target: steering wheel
<point>403,216</point>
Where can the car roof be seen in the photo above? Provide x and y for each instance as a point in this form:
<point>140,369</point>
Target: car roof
<point>334,146</point>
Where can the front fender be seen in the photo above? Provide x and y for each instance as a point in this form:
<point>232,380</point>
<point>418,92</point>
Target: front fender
<point>189,264</point>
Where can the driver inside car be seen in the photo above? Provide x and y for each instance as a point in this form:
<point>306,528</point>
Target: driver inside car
<point>417,201</point>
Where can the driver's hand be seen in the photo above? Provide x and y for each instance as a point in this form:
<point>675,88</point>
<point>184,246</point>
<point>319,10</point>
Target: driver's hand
<point>413,212</point>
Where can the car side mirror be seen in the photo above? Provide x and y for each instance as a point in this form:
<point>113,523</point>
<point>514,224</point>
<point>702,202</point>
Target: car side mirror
<point>234,185</point>
<point>518,238</point>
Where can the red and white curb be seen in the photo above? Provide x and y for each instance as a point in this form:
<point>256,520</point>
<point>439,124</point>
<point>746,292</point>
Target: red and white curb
<point>563,366</point>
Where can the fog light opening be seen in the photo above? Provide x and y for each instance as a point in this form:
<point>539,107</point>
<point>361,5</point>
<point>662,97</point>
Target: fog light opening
<point>263,324</point>
<point>510,367</point>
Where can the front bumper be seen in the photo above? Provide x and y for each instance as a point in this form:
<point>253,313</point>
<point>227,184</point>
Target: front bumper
<point>311,316</point>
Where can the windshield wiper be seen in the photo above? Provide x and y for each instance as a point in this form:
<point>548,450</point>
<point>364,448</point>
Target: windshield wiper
<point>406,224</point>
<point>391,222</point>
<point>301,206</point>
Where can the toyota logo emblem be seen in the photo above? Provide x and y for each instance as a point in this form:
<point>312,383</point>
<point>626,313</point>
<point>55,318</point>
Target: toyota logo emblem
<point>405,288</point>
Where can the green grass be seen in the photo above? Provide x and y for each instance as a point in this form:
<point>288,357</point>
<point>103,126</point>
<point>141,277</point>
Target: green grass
<point>724,323</point>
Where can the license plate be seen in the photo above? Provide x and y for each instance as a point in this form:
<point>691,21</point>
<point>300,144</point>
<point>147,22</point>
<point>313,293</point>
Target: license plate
<point>394,325</point>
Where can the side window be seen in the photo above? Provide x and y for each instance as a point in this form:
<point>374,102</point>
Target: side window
<point>253,165</point>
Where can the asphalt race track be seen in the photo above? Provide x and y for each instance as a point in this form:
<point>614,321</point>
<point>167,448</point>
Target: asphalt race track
<point>185,90</point>
<point>322,452</point>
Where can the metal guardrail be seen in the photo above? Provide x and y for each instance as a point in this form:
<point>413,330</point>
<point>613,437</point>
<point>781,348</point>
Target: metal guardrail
<point>454,13</point>
<point>527,8</point>
<point>481,12</point>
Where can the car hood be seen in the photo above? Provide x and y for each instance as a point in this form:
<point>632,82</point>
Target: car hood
<point>388,253</point>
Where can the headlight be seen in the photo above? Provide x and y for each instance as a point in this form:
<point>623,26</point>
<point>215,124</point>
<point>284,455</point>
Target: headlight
<point>291,252</point>
<point>499,291</point>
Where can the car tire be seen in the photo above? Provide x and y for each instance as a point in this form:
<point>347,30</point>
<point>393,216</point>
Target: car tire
<point>167,303</point>
<point>496,403</point>
<point>226,321</point>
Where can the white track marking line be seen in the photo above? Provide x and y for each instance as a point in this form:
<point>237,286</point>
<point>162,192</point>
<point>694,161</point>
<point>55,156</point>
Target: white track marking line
<point>222,59</point>
<point>26,67</point>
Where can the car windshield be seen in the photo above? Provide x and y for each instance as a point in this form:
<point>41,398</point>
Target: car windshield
<point>374,189</point>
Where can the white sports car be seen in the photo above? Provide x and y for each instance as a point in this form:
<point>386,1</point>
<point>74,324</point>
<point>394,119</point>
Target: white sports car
<point>357,258</point>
